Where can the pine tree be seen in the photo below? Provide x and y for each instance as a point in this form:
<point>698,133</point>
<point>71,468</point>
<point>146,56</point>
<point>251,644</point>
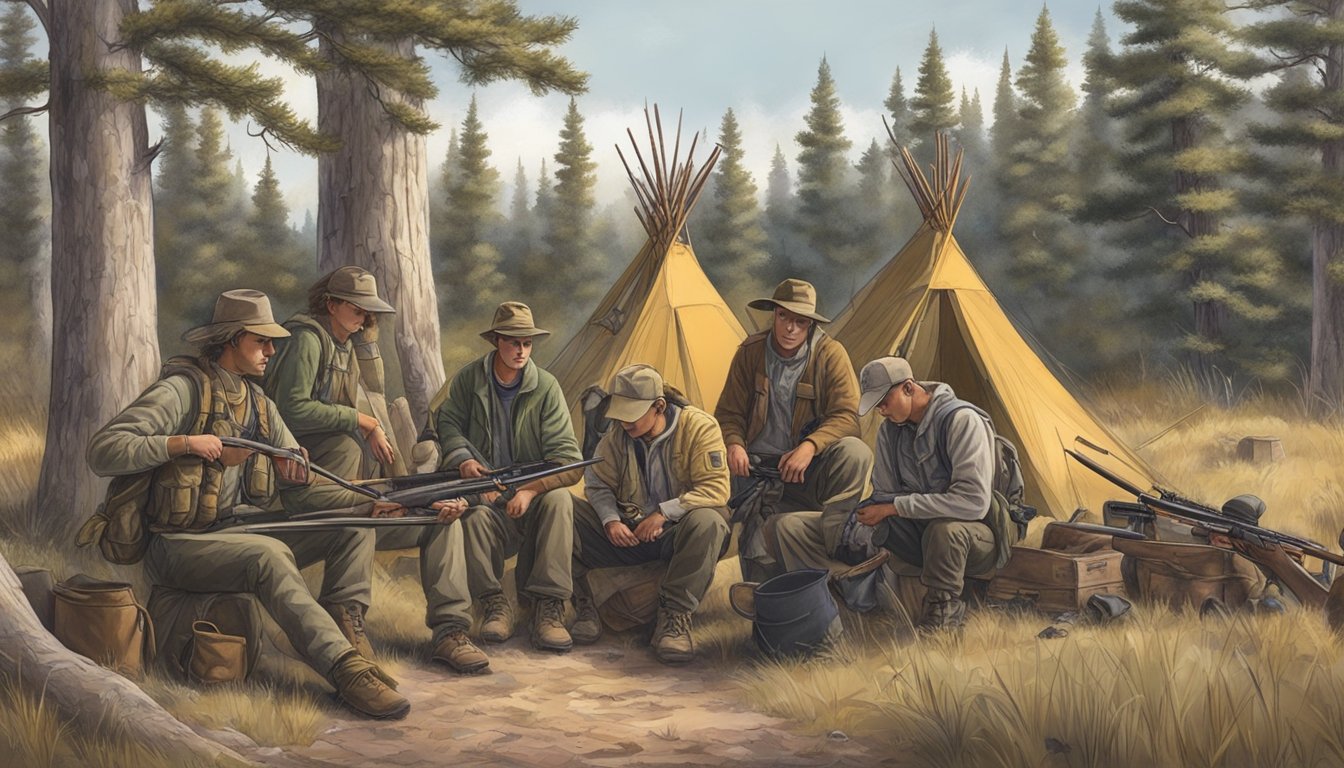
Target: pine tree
<point>1040,182</point>
<point>780,212</point>
<point>522,224</point>
<point>1302,160</point>
<point>270,214</point>
<point>25,255</point>
<point>1175,100</point>
<point>272,248</point>
<point>1095,146</point>
<point>898,110</point>
<point>1002,133</point>
<point>970,133</point>
<point>735,257</point>
<point>932,108</point>
<point>824,196</point>
<point>468,262</point>
<point>569,233</point>
<point>875,226</point>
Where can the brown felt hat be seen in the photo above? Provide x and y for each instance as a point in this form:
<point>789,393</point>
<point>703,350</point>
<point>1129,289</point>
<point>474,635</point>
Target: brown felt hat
<point>359,287</point>
<point>797,296</point>
<point>513,318</point>
<point>241,309</point>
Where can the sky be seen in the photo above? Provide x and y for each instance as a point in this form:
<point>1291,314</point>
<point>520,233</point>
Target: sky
<point>701,57</point>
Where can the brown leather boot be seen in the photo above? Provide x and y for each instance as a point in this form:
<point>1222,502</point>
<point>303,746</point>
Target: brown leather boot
<point>672,637</point>
<point>360,686</point>
<point>457,651</point>
<point>349,618</point>
<point>497,625</point>
<point>947,614</point>
<point>587,627</point>
<point>548,626</point>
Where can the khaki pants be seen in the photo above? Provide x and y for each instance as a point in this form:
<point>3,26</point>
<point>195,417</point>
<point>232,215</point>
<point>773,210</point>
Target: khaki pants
<point>690,547</point>
<point>945,550</point>
<point>268,566</point>
<point>832,485</point>
<point>543,539</point>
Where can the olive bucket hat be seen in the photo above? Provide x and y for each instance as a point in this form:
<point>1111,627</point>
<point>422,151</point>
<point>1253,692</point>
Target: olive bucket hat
<point>359,287</point>
<point>513,318</point>
<point>241,309</point>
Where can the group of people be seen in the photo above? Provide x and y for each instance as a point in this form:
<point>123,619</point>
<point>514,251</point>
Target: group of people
<point>660,492</point>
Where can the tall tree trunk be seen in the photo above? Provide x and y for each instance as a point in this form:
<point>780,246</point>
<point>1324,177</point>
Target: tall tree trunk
<point>105,346</point>
<point>39,306</point>
<point>92,699</point>
<point>1326,380</point>
<point>373,211</point>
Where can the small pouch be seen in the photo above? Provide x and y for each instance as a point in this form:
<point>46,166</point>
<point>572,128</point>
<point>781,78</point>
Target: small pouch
<point>177,491</point>
<point>259,479</point>
<point>216,658</point>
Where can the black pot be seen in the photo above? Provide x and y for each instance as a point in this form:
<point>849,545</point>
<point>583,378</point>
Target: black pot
<point>794,613</point>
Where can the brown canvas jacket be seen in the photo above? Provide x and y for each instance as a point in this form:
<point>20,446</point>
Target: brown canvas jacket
<point>828,390</point>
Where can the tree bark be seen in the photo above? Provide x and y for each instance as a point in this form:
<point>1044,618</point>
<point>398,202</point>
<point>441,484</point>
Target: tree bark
<point>373,211</point>
<point>105,344</point>
<point>91,698</point>
<point>1326,379</point>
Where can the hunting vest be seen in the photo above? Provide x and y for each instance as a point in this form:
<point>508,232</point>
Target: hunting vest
<point>337,380</point>
<point>184,493</point>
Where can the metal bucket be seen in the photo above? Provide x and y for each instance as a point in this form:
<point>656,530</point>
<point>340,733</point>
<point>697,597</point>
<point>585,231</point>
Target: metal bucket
<point>791,614</point>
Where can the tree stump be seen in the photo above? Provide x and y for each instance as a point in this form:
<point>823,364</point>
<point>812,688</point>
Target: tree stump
<point>1260,450</point>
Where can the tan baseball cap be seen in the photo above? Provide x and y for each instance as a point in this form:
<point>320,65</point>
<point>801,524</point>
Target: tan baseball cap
<point>633,391</point>
<point>241,309</point>
<point>797,296</point>
<point>878,377</point>
<point>359,287</point>
<point>513,318</point>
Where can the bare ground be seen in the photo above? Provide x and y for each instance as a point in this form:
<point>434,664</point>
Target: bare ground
<point>610,704</point>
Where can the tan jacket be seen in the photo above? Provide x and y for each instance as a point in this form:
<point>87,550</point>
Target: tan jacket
<point>828,390</point>
<point>699,467</point>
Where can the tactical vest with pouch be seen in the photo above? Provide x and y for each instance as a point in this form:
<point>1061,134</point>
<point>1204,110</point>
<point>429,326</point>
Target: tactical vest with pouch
<point>183,494</point>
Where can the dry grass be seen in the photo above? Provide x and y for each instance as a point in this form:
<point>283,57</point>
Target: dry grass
<point>270,714</point>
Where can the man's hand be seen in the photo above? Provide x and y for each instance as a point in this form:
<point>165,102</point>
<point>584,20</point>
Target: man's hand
<point>471,468</point>
<point>380,446</point>
<point>738,463</point>
<point>793,464</point>
<point>650,527</point>
<point>488,498</point>
<point>388,509</point>
<point>449,509</point>
<point>618,533</point>
<point>292,471</point>
<point>206,446</point>
<point>518,505</point>
<point>875,513</point>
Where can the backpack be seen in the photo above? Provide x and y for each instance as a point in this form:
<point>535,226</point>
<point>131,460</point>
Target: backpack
<point>1008,511</point>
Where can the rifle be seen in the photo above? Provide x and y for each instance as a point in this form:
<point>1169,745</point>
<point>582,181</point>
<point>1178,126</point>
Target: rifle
<point>1276,553</point>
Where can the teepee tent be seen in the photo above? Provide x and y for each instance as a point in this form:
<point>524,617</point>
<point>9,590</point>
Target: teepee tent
<point>663,310</point>
<point>929,306</point>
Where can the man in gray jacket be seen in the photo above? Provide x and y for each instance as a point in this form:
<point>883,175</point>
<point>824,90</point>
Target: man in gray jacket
<point>932,486</point>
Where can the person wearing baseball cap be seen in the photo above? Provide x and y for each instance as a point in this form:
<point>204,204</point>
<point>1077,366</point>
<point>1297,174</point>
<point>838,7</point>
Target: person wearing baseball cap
<point>659,493</point>
<point>932,484</point>
<point>170,435</point>
<point>500,410</point>
<point>790,403</point>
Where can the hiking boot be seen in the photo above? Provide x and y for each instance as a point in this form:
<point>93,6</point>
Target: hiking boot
<point>457,651</point>
<point>940,615</point>
<point>349,618</point>
<point>497,626</point>
<point>587,626</point>
<point>672,637</point>
<point>362,687</point>
<point>548,626</point>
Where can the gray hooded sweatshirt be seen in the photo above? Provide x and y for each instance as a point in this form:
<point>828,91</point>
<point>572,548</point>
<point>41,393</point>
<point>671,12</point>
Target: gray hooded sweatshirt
<point>910,473</point>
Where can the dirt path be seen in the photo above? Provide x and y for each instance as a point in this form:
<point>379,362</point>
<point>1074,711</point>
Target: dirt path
<point>607,705</point>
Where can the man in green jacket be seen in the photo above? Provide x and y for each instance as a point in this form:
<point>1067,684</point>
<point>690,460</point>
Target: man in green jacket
<point>499,410</point>
<point>172,431</point>
<point>315,383</point>
<point>660,493</point>
<point>791,403</point>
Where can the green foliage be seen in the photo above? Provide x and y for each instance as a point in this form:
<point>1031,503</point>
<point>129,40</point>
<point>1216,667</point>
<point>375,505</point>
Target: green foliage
<point>569,235</point>
<point>22,196</point>
<point>932,108</point>
<point>734,252</point>
<point>780,211</point>
<point>1002,134</point>
<point>898,110</point>
<point>825,199</point>
<point>467,262</point>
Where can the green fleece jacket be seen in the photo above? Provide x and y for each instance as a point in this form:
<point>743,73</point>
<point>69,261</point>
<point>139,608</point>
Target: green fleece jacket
<point>542,430</point>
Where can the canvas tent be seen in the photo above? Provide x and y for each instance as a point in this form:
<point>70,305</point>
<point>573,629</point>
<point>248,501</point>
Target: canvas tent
<point>663,310</point>
<point>929,306</point>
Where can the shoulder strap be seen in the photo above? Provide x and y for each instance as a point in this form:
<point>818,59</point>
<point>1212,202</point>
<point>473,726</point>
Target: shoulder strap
<point>263,413</point>
<point>961,405</point>
<point>194,370</point>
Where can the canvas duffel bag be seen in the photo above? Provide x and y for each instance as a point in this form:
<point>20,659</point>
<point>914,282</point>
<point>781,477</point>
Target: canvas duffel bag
<point>1180,574</point>
<point>103,621</point>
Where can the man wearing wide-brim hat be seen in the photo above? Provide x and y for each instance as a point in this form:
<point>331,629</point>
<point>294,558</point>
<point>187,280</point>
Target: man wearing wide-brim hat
<point>170,435</point>
<point>316,381</point>
<point>659,493</point>
<point>791,403</point>
<point>497,411</point>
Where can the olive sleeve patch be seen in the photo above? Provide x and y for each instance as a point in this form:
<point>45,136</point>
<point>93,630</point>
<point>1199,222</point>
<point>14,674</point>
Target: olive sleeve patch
<point>716,459</point>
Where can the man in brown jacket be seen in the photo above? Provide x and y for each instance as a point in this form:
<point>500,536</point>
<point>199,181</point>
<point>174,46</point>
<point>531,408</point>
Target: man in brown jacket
<point>791,402</point>
<point>660,493</point>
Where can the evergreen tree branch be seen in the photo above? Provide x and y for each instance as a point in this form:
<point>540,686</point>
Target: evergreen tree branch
<point>1165,220</point>
<point>20,111</point>
<point>43,14</point>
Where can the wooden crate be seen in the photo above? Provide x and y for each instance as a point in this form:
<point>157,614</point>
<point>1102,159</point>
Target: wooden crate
<point>1058,581</point>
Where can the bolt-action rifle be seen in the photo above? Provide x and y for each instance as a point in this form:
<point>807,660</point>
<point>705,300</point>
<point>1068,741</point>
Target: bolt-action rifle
<point>1278,554</point>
